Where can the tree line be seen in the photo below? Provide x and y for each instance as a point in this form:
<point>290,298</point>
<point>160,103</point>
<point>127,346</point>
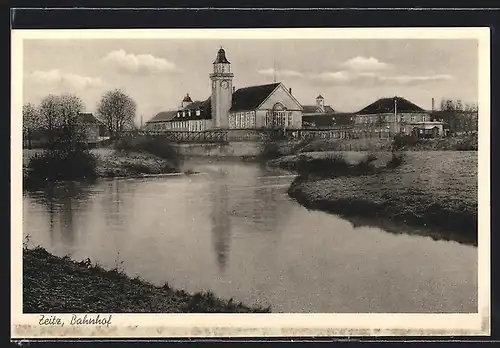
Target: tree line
<point>57,119</point>
<point>459,117</point>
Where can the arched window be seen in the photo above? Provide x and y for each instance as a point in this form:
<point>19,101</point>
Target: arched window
<point>278,116</point>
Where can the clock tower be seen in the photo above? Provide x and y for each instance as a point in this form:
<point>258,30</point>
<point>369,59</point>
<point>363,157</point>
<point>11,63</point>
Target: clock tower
<point>222,90</point>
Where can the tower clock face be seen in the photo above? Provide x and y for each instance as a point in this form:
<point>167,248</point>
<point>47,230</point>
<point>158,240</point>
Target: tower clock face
<point>224,84</point>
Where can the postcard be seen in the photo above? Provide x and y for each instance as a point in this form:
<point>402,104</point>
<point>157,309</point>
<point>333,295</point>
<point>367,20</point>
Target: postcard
<point>250,182</point>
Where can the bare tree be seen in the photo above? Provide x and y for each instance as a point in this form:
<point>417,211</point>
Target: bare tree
<point>61,122</point>
<point>117,111</point>
<point>447,105</point>
<point>30,122</point>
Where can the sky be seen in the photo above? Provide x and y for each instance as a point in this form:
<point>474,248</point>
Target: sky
<point>157,73</point>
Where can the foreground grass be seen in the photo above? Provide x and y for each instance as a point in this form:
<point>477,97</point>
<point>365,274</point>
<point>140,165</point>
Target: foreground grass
<point>436,190</point>
<point>53,284</point>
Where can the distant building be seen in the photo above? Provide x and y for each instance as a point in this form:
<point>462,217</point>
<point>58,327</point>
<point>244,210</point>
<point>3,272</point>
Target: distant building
<point>263,106</point>
<point>387,117</point>
<point>94,129</point>
<point>318,109</point>
<point>323,116</point>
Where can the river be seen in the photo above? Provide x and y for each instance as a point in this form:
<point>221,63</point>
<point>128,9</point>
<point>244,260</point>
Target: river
<point>233,229</point>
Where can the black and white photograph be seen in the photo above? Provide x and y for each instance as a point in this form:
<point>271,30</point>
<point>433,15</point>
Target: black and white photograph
<point>252,173</point>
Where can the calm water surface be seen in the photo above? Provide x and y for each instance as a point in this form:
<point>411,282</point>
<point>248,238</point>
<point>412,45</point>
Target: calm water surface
<point>234,230</point>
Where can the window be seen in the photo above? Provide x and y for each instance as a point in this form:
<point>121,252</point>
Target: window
<point>184,114</point>
<point>412,118</point>
<point>198,112</point>
<point>189,113</point>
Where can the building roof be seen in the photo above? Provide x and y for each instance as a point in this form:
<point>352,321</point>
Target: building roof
<point>249,98</point>
<point>88,117</point>
<point>163,116</point>
<point>311,109</point>
<point>195,105</point>
<point>187,98</point>
<point>386,105</point>
<point>221,57</point>
<point>320,97</point>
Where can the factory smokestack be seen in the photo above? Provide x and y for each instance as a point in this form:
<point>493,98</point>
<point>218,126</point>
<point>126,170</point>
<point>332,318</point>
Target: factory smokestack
<point>432,104</point>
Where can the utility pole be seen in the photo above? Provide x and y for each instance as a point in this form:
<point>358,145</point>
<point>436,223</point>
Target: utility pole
<point>397,125</point>
<point>274,72</point>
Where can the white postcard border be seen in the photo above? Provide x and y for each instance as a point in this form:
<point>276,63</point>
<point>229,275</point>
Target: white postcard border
<point>246,325</point>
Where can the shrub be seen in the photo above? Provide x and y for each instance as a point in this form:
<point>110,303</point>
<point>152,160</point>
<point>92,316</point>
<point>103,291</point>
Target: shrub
<point>60,165</point>
<point>270,150</point>
<point>395,161</point>
<point>154,145</point>
<point>332,165</point>
<point>402,141</point>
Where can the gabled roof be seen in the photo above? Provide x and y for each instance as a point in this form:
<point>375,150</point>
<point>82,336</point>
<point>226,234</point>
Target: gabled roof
<point>163,116</point>
<point>187,98</point>
<point>249,98</point>
<point>320,97</point>
<point>386,105</point>
<point>311,109</point>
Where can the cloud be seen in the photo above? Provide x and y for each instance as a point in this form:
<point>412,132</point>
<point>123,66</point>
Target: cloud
<point>408,80</point>
<point>56,77</point>
<point>344,77</point>
<point>138,63</point>
<point>361,72</point>
<point>365,64</point>
<point>282,73</point>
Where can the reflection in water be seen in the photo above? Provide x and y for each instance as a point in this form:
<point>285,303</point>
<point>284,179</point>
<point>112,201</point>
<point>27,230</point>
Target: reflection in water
<point>63,203</point>
<point>235,231</point>
<point>221,221</point>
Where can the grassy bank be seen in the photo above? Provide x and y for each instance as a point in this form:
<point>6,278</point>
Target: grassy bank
<point>407,143</point>
<point>433,190</point>
<point>119,163</point>
<point>53,284</point>
<point>103,163</point>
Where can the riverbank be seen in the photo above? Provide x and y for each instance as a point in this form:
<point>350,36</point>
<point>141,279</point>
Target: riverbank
<point>116,163</point>
<point>52,284</point>
<point>111,163</point>
<point>406,143</point>
<point>431,190</point>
